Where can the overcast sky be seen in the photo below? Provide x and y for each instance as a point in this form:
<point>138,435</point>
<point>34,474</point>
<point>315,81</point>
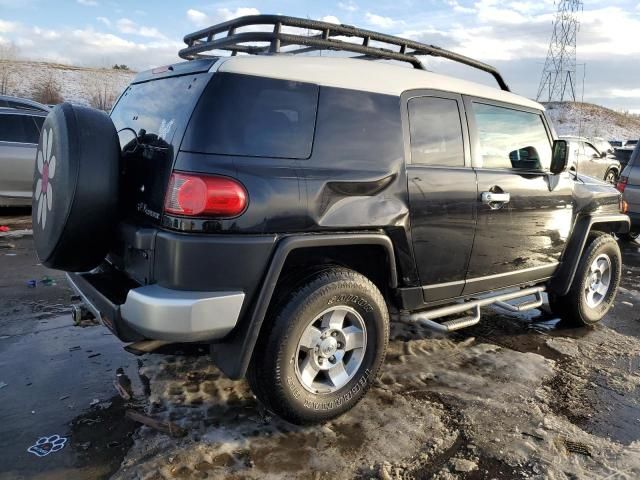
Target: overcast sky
<point>512,35</point>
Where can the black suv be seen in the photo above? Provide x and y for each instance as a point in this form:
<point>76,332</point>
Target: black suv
<point>279,206</point>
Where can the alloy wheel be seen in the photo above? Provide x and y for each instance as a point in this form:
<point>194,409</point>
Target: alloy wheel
<point>331,349</point>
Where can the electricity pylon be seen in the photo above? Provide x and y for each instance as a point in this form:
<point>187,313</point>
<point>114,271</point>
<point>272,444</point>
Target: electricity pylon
<point>558,82</point>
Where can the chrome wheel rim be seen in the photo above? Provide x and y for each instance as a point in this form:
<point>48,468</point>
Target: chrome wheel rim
<point>330,350</point>
<point>598,281</point>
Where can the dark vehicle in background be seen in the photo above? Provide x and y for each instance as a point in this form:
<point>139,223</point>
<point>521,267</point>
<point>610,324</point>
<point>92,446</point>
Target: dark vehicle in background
<point>629,185</point>
<point>624,152</point>
<point>20,124</point>
<point>282,208</point>
<point>615,143</point>
<point>586,159</point>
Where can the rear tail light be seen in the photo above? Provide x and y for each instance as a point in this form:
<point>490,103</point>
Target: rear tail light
<point>624,206</point>
<point>204,195</point>
<point>622,184</point>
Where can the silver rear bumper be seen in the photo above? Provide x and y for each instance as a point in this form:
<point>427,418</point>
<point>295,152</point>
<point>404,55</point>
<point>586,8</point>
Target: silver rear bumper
<point>181,316</point>
<point>159,313</point>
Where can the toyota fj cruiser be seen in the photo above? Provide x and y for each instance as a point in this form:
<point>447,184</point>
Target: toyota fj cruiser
<point>278,206</point>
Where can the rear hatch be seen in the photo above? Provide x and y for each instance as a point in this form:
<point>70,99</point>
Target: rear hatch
<point>150,117</point>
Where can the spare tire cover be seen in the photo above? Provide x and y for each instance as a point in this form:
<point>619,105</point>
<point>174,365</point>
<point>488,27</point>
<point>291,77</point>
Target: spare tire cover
<point>75,188</point>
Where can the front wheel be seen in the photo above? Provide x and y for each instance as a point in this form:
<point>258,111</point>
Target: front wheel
<point>322,348</point>
<point>595,284</point>
<point>611,177</point>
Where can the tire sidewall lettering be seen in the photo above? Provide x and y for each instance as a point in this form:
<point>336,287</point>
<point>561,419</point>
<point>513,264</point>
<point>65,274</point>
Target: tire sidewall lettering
<point>357,300</point>
<point>337,402</point>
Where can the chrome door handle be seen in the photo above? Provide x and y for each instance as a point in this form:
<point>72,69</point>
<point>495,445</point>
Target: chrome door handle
<point>495,200</point>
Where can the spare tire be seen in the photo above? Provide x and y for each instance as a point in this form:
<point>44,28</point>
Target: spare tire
<point>75,188</point>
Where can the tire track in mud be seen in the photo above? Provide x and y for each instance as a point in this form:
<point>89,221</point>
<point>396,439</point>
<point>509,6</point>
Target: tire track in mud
<point>442,408</point>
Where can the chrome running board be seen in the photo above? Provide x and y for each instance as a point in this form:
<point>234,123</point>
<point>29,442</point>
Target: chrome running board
<point>427,318</point>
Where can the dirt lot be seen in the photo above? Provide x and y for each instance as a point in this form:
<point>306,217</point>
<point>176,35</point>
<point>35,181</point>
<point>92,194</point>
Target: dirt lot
<point>518,396</point>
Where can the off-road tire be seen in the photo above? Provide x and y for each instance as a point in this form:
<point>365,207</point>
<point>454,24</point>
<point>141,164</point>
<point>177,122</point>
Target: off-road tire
<point>272,372</point>
<point>573,307</point>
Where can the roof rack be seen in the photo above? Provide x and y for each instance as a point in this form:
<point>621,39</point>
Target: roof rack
<point>396,48</point>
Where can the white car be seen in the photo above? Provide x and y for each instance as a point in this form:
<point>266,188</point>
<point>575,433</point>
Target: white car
<point>20,124</point>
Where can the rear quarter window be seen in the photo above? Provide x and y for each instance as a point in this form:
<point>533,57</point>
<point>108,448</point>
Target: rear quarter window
<point>254,116</point>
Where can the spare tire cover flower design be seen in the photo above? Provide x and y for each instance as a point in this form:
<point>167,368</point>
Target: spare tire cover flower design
<point>46,164</point>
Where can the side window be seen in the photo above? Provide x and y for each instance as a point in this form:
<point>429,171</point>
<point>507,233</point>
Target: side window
<point>511,138</point>
<point>436,132</point>
<point>15,128</point>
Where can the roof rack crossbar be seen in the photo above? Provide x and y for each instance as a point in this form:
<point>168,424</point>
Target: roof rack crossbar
<point>224,36</point>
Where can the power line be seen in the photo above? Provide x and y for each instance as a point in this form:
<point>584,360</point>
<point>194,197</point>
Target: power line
<point>558,82</point>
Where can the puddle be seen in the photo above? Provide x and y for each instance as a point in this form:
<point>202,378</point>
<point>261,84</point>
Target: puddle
<point>101,438</point>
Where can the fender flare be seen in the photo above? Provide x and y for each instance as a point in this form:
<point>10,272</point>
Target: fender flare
<point>234,355</point>
<point>562,280</point>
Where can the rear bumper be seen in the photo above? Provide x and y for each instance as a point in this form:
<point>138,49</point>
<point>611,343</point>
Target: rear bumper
<point>155,312</point>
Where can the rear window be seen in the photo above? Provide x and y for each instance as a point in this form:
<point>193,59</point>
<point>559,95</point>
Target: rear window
<point>255,117</point>
<point>156,110</point>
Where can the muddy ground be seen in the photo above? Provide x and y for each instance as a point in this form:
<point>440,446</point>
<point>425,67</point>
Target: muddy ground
<point>518,396</point>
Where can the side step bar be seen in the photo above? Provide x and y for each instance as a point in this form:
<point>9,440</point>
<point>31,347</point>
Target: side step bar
<point>426,318</point>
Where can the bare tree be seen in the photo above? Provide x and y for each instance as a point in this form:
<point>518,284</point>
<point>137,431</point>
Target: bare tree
<point>104,94</point>
<point>48,91</point>
<point>8,53</point>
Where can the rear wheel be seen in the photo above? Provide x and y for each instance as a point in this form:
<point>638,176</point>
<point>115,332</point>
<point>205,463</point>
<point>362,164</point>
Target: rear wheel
<point>595,284</point>
<point>322,347</point>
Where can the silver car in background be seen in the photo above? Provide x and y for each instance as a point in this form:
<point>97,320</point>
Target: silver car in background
<point>586,159</point>
<point>629,185</point>
<point>20,124</point>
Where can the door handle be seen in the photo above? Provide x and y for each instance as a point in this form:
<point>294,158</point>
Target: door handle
<point>495,200</point>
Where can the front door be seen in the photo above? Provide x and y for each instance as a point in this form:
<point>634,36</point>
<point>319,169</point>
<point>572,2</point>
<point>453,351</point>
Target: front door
<point>591,162</point>
<point>525,213</point>
<point>442,192</point>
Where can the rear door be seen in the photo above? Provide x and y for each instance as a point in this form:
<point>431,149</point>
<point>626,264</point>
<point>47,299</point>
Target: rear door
<point>150,118</point>
<point>442,191</point>
<point>19,135</point>
<point>524,212</point>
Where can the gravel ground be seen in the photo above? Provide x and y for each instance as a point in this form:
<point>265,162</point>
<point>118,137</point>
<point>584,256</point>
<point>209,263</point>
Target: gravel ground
<point>517,396</point>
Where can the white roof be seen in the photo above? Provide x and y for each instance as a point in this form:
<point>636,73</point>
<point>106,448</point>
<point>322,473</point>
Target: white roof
<point>365,75</point>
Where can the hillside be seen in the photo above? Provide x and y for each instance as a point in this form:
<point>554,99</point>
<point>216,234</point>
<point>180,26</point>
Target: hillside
<point>75,84</point>
<point>588,120</point>
<point>81,85</point>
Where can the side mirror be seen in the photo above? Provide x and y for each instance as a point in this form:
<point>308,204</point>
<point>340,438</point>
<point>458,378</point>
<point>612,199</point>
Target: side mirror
<point>560,156</point>
<point>603,155</point>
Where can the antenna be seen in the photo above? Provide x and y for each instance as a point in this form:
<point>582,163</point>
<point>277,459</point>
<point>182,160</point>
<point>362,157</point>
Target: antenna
<point>558,82</point>
<point>584,74</point>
